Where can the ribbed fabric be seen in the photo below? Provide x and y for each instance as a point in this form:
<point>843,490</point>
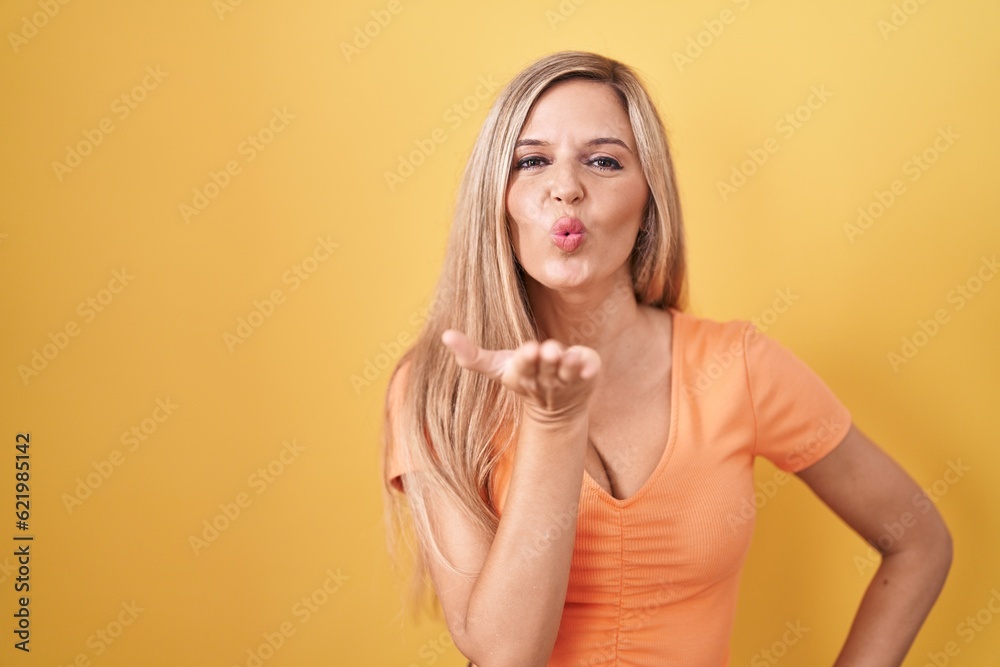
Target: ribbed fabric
<point>654,577</point>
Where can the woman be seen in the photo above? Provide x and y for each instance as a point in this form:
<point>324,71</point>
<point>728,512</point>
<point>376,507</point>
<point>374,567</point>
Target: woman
<point>582,500</point>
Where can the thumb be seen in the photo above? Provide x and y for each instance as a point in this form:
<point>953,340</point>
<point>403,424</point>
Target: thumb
<point>464,350</point>
<point>471,356</point>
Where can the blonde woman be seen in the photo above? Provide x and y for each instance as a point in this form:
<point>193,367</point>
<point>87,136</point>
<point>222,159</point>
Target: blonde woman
<point>573,451</point>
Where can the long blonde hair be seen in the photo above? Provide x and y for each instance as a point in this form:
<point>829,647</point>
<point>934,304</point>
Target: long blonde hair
<point>453,423</point>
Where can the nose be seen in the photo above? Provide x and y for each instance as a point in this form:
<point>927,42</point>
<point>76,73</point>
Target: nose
<point>565,186</point>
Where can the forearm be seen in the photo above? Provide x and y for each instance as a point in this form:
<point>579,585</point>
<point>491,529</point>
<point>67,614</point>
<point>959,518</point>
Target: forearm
<point>516,605</point>
<point>894,606</point>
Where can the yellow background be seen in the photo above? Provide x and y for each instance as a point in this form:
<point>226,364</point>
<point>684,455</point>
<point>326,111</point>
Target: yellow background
<point>233,71</point>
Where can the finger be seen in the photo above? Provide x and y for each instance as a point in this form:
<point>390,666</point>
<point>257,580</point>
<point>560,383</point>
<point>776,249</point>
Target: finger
<point>460,345</point>
<point>548,363</point>
<point>524,365</point>
<point>468,354</point>
<point>572,362</point>
<point>591,365</point>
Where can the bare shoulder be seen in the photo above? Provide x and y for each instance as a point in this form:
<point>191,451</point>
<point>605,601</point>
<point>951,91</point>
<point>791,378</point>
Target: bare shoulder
<point>398,383</point>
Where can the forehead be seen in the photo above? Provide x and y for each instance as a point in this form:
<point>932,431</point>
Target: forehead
<point>577,109</point>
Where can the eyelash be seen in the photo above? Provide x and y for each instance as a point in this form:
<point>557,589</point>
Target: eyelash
<point>615,166</point>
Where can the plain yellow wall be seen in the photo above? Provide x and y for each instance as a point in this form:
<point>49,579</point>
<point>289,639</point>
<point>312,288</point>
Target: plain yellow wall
<point>206,272</point>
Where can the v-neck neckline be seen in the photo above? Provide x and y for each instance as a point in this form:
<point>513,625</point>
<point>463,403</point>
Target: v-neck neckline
<point>675,383</point>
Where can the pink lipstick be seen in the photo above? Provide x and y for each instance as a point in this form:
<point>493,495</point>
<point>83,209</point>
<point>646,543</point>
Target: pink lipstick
<point>567,233</point>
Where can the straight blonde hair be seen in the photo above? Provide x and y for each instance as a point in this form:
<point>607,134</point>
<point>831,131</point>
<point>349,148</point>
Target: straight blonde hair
<point>454,424</point>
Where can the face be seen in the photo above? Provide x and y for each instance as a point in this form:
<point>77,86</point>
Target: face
<point>575,158</point>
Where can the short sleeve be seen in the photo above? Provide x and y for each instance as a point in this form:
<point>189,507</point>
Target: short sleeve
<point>798,418</point>
<point>395,466</point>
<point>396,461</point>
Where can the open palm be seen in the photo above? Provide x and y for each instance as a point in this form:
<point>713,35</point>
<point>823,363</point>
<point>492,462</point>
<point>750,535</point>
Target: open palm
<point>555,381</point>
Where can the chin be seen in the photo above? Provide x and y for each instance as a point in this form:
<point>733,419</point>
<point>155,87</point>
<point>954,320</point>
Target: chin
<point>565,278</point>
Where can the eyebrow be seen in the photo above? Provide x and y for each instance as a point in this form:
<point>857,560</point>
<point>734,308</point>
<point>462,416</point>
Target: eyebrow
<point>593,142</point>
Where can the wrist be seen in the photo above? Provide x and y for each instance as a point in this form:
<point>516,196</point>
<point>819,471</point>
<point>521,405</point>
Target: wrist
<point>560,419</point>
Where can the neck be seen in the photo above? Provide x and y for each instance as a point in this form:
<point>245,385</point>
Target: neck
<point>596,316</point>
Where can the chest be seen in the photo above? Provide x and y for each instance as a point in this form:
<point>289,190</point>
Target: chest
<point>690,527</point>
<point>628,433</point>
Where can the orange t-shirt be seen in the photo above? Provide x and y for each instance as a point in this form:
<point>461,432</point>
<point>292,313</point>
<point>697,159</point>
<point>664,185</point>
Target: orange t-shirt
<point>654,577</point>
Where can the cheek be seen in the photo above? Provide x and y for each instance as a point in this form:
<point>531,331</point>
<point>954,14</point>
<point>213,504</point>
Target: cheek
<point>514,215</point>
<point>523,213</point>
<point>521,205</point>
<point>631,197</point>
<point>515,236</point>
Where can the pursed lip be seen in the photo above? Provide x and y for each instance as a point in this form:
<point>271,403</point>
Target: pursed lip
<point>567,225</point>
<point>568,234</point>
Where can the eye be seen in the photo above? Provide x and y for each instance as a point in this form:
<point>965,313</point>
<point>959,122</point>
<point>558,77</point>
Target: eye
<point>606,163</point>
<point>531,162</point>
